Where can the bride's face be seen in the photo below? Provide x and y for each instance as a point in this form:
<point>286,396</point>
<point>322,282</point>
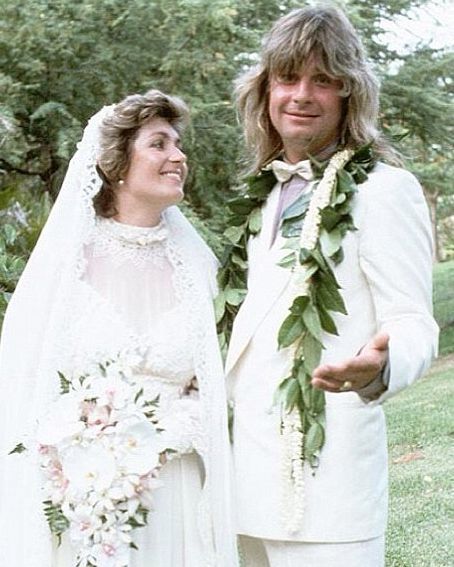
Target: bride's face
<point>157,168</point>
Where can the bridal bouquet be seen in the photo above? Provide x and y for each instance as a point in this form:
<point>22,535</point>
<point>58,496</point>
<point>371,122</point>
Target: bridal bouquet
<point>101,447</point>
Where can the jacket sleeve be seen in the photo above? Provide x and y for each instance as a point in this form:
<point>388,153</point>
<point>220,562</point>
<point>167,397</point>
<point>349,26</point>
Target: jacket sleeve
<point>396,258</point>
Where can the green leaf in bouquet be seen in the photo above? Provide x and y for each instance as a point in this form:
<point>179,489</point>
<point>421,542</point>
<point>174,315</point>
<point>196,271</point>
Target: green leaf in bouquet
<point>65,384</point>
<point>58,522</point>
<point>138,395</point>
<point>19,448</point>
<point>152,403</point>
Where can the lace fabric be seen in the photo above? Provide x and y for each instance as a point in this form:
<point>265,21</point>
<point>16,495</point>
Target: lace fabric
<point>124,244</point>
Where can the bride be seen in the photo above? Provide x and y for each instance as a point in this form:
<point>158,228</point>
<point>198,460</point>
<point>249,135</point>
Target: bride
<point>119,268</point>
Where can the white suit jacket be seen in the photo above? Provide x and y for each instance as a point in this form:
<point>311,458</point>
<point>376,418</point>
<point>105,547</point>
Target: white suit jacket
<point>386,285</point>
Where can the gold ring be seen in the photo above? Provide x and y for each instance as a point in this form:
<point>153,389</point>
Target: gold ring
<point>346,386</point>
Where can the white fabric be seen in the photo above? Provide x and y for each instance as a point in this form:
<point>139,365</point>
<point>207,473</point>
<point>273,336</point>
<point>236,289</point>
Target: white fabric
<point>90,289</point>
<point>271,553</point>
<point>386,285</point>
<point>283,171</point>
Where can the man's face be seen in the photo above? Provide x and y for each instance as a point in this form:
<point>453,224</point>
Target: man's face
<point>306,111</point>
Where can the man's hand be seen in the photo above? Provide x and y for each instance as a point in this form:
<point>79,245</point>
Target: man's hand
<point>354,373</point>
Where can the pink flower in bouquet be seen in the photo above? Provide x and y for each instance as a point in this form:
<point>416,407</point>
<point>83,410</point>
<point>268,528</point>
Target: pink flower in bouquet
<point>97,415</point>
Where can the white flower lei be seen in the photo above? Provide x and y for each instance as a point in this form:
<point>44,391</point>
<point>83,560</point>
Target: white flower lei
<point>293,467</point>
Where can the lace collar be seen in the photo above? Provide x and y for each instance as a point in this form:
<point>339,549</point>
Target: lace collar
<point>135,236</point>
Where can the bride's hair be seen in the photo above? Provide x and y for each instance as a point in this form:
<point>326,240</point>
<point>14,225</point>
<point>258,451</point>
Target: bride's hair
<point>118,132</point>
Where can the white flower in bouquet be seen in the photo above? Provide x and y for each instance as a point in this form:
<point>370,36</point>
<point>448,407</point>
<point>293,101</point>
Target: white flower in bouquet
<point>56,482</point>
<point>62,421</point>
<point>100,448</point>
<point>113,551</point>
<point>112,391</point>
<point>88,468</point>
<point>180,423</point>
<point>84,523</point>
<point>137,446</point>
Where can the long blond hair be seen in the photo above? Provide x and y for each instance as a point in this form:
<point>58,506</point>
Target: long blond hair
<point>325,33</point>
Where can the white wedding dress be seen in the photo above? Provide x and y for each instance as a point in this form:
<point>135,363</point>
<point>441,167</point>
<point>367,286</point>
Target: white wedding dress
<point>138,299</point>
<point>92,288</point>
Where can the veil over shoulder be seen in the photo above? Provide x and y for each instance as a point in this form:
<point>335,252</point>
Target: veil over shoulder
<point>35,342</point>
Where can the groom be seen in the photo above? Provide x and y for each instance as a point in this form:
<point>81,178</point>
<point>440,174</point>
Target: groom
<point>319,499</point>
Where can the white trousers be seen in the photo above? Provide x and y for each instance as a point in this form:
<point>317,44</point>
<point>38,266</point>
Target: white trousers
<point>258,552</point>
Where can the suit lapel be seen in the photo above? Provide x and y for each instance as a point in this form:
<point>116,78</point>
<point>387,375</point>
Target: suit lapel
<point>267,281</point>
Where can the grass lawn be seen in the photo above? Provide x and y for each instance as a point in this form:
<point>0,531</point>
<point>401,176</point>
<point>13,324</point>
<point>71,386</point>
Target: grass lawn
<point>421,454</point>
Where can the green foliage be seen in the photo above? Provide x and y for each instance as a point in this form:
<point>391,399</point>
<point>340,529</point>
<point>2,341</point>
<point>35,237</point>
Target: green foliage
<point>418,100</point>
<point>418,97</point>
<point>61,61</point>
<point>19,448</point>
<point>20,225</point>
<point>444,304</point>
<point>11,265</point>
<point>58,522</point>
<point>309,313</point>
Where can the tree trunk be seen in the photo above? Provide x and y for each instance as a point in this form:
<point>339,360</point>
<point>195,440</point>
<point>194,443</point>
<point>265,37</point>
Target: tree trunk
<point>432,199</point>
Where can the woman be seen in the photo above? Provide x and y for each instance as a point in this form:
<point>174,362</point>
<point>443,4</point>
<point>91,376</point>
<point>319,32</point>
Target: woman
<point>119,268</point>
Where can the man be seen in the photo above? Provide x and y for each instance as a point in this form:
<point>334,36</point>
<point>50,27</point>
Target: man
<point>313,96</point>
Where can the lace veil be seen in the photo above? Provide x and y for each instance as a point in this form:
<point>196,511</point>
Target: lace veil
<point>33,337</point>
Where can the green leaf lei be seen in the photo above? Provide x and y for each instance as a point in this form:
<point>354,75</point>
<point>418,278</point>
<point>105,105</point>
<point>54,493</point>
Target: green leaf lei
<point>309,314</point>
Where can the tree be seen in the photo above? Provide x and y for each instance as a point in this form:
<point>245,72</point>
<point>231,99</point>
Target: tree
<point>418,100</point>
<point>61,60</point>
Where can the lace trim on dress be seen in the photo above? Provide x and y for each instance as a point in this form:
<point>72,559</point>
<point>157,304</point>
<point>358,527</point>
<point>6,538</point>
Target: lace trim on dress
<point>122,242</point>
